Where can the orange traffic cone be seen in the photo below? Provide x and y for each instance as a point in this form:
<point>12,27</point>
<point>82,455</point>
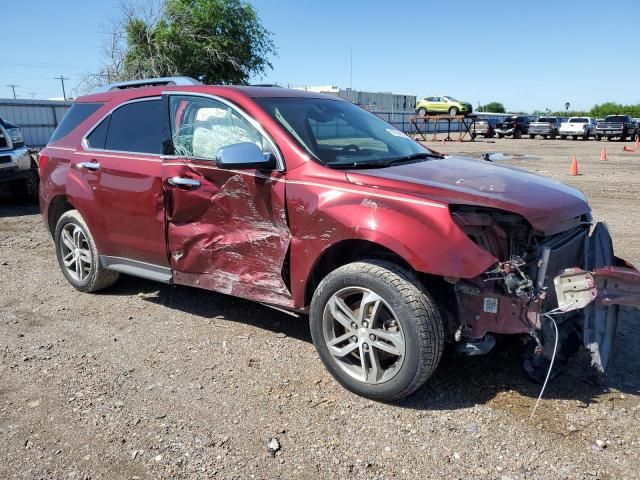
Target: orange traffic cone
<point>627,149</point>
<point>603,154</point>
<point>573,171</point>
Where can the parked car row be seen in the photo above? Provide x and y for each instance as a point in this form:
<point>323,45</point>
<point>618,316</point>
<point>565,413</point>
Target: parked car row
<point>622,127</point>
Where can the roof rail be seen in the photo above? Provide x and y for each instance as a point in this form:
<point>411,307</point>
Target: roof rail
<point>148,82</point>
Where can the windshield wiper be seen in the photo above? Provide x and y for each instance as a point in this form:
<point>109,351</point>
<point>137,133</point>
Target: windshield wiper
<point>387,162</point>
<point>414,156</point>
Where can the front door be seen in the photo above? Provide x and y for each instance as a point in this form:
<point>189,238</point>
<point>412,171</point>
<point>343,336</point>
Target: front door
<point>226,229</point>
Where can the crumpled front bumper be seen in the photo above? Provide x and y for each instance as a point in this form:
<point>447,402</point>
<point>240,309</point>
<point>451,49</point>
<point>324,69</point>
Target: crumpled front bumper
<point>600,288</point>
<point>579,282</point>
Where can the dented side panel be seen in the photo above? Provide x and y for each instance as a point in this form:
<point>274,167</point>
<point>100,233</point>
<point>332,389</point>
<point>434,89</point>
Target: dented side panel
<point>229,235</point>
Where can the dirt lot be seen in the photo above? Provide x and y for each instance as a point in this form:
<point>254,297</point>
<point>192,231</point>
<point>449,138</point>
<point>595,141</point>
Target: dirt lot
<point>151,381</point>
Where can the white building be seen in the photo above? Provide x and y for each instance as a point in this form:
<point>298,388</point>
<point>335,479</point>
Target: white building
<point>374,101</point>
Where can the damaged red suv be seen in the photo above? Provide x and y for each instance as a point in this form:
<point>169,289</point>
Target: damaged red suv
<point>308,203</point>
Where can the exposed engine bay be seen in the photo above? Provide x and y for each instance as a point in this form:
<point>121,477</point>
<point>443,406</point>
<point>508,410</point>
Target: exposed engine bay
<point>538,276</point>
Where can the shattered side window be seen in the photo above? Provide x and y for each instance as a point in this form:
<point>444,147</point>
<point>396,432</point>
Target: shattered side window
<point>202,126</point>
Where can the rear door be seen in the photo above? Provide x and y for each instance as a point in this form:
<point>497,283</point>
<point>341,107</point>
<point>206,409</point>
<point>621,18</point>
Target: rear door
<point>121,162</point>
<point>226,229</point>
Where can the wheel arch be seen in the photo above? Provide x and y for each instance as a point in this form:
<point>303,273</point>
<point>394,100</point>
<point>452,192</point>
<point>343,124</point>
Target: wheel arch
<point>57,206</point>
<point>344,252</point>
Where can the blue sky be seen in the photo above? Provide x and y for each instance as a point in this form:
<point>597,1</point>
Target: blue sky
<point>528,55</point>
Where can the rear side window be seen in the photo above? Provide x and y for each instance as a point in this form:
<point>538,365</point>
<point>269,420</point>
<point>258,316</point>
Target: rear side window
<point>98,137</point>
<point>77,114</point>
<point>136,127</point>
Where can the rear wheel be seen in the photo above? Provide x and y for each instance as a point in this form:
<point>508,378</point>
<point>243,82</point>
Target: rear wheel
<point>376,330</point>
<point>78,256</point>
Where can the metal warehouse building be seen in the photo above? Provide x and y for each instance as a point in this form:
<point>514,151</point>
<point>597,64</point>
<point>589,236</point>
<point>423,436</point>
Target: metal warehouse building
<point>37,118</point>
<point>375,101</point>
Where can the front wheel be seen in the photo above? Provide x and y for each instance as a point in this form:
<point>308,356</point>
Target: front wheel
<point>376,329</point>
<point>453,111</point>
<point>422,111</point>
<point>78,255</point>
<point>26,189</point>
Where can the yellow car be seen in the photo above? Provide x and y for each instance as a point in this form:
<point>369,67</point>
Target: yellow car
<point>442,104</point>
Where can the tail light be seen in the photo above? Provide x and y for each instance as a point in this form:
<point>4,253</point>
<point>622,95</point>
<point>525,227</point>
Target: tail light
<point>42,162</point>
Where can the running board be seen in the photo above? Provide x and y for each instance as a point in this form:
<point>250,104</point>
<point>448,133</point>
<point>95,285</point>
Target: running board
<point>149,271</point>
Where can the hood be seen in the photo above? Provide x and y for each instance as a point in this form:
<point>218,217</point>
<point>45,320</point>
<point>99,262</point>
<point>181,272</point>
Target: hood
<point>549,206</point>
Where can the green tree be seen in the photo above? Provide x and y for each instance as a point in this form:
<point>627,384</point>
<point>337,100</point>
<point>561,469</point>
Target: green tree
<point>215,41</point>
<point>493,107</point>
<point>611,108</point>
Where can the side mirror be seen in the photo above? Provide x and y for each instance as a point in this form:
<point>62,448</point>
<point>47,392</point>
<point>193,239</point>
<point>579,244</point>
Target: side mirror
<point>244,155</point>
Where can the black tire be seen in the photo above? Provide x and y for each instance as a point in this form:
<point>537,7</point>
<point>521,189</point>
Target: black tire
<point>532,136</point>
<point>563,137</point>
<point>501,135</point>
<point>26,189</point>
<point>422,112</point>
<point>417,315</point>
<point>517,134</point>
<point>453,111</point>
<point>97,277</point>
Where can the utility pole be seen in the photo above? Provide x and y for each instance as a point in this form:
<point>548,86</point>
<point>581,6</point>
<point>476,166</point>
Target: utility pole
<point>13,87</point>
<point>351,69</point>
<point>62,79</point>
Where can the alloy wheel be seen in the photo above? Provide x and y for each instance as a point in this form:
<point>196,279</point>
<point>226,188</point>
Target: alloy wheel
<point>75,252</point>
<point>363,335</point>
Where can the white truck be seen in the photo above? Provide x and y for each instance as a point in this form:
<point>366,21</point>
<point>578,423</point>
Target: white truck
<point>583,127</point>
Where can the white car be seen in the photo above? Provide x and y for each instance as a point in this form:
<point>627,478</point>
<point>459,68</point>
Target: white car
<point>578,127</point>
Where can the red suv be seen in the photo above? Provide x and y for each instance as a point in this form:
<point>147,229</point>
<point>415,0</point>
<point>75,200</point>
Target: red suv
<point>308,203</point>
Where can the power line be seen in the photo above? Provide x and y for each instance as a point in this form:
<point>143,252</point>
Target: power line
<point>62,79</point>
<point>13,87</point>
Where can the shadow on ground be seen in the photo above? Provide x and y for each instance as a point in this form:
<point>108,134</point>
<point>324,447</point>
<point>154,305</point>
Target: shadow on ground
<point>459,382</point>
<point>10,207</point>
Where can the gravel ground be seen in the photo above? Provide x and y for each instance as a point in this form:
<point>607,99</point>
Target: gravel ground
<point>151,381</point>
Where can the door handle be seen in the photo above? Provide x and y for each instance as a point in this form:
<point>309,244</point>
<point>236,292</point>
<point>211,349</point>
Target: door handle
<point>93,166</point>
<point>182,182</point>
